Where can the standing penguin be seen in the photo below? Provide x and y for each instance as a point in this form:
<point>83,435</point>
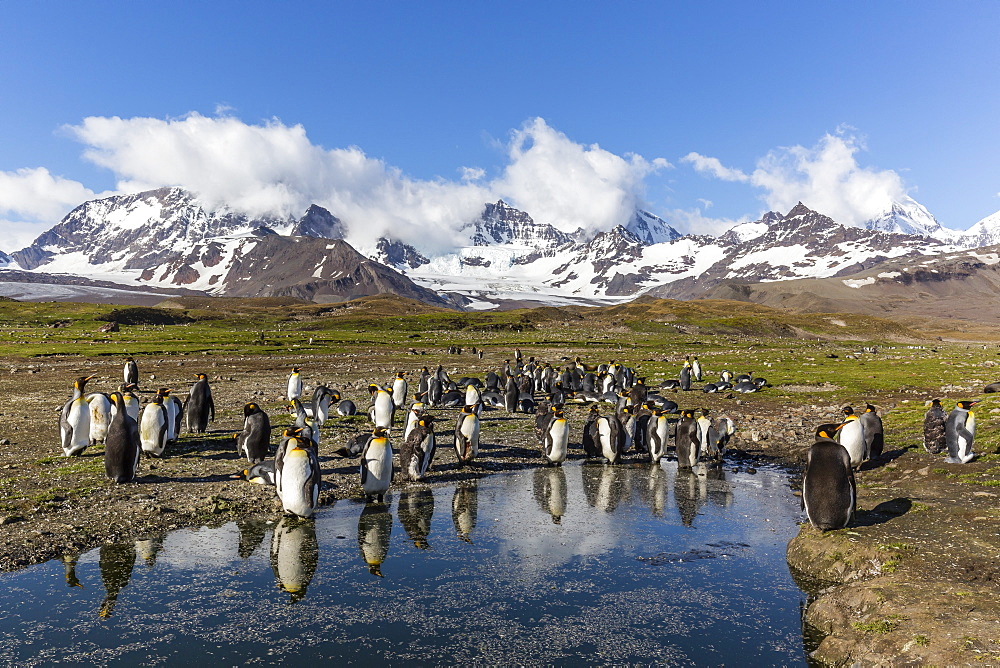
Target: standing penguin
<point>294,390</point>
<point>556,439</point>
<point>608,439</point>
<point>130,372</point>
<point>200,407</point>
<point>153,427</point>
<point>851,435</point>
<point>657,433</point>
<point>686,376</point>
<point>696,368</point>
<point>174,411</point>
<point>122,447</point>
<point>297,477</point>
<point>255,439</point>
<point>417,450</point>
<point>74,421</point>
<point>934,428</point>
<point>467,435</point>
<point>100,416</point>
<point>132,405</point>
<point>686,440</point>
<point>960,432</point>
<point>322,398</point>
<point>413,415</point>
<point>872,423</point>
<point>383,407</point>
<point>399,390</point>
<point>590,446</point>
<point>829,494</point>
<point>704,425</point>
<point>376,465</point>
<point>510,395</point>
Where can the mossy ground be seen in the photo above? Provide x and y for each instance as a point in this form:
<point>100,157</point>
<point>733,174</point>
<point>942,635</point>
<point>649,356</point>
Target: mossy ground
<point>816,363</point>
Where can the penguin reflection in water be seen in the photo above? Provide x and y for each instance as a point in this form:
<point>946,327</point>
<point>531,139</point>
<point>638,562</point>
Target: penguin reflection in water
<point>374,528</point>
<point>415,510</point>
<point>465,510</point>
<point>116,563</point>
<point>294,555</point>
<point>829,494</point>
<point>549,488</point>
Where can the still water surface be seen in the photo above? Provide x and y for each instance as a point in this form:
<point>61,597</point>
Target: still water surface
<point>587,564</point>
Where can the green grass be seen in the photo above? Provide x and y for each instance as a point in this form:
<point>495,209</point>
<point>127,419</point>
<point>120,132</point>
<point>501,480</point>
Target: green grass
<point>881,626</point>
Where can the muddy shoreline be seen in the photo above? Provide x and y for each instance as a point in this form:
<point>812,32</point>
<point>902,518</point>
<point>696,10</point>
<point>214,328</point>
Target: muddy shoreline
<point>895,588</point>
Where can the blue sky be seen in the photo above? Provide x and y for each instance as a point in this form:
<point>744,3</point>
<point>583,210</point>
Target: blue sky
<point>443,102</point>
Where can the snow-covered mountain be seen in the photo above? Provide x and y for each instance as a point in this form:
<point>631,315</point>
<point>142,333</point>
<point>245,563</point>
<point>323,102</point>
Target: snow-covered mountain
<point>984,233</point>
<point>167,238</point>
<point>911,217</point>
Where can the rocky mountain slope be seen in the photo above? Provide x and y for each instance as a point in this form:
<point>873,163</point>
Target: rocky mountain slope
<point>166,238</point>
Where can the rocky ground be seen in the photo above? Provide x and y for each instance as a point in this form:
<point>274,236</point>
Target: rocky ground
<point>913,581</point>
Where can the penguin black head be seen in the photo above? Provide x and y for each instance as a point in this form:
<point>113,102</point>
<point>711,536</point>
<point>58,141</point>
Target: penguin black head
<point>870,409</point>
<point>595,410</point>
<point>249,409</point>
<point>847,410</point>
<point>200,376</point>
<point>82,381</point>
<point>468,410</point>
<point>936,403</point>
<point>426,420</point>
<point>295,369</point>
<point>158,399</point>
<point>293,433</point>
<point>380,432</point>
<point>399,374</point>
<point>373,388</point>
<point>558,414</point>
<point>966,405</point>
<point>704,411</point>
<point>334,395</point>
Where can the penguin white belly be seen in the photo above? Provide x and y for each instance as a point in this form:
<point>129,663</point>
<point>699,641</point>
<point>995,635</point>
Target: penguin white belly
<point>382,415</point>
<point>852,437</point>
<point>662,431</point>
<point>604,436</point>
<point>76,434</point>
<point>100,417</point>
<point>294,387</point>
<point>471,395</point>
<point>703,424</point>
<point>411,421</point>
<point>559,439</point>
<point>297,495</point>
<point>173,410</point>
<point>132,407</point>
<point>152,430</point>
<point>470,430</point>
<point>399,392</point>
<point>378,466</point>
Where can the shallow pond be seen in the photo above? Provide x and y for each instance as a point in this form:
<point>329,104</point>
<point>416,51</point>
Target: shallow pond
<point>587,564</point>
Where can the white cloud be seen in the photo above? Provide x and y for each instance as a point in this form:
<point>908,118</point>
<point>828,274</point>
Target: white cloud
<point>827,178</point>
<point>32,200</point>
<point>273,168</point>
<point>569,185</point>
<point>704,164</point>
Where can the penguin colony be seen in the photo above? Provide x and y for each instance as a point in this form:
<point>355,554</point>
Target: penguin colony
<point>638,418</point>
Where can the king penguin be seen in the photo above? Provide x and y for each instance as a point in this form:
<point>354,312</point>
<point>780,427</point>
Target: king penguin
<point>200,407</point>
<point>74,421</point>
<point>130,372</point>
<point>556,439</point>
<point>100,416</point>
<point>413,415</point>
<point>829,494</point>
<point>399,390</point>
<point>383,407</point>
<point>960,432</point>
<point>122,447</point>
<point>696,369</point>
<point>297,477</point>
<point>934,428</point>
<point>607,438</point>
<point>467,435</point>
<point>294,390</point>
<point>175,410</point>
<point>686,440</point>
<point>851,435</point>
<point>417,450</point>
<point>874,439</point>
<point>153,427</point>
<point>590,446</point>
<point>376,465</point>
<point>657,433</point>
<point>255,439</point>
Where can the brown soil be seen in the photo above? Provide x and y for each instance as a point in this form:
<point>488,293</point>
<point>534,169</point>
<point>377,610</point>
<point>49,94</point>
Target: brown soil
<point>913,581</point>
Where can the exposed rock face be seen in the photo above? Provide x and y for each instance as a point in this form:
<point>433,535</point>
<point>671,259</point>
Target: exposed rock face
<point>503,224</point>
<point>398,255</point>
